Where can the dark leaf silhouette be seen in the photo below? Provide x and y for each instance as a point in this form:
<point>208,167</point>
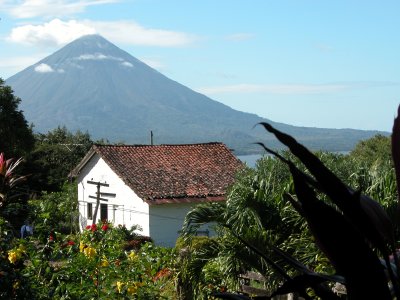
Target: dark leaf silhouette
<point>342,243</point>
<point>396,148</point>
<point>365,214</point>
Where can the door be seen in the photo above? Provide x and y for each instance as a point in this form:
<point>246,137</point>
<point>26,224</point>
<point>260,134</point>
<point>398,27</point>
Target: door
<point>103,212</point>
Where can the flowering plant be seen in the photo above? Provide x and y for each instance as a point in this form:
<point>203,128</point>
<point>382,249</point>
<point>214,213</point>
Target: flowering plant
<point>91,264</point>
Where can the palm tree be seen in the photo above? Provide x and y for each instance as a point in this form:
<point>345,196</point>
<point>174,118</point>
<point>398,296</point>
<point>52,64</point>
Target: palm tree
<point>259,231</point>
<point>249,223</point>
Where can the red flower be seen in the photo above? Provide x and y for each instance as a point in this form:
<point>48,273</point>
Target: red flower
<point>93,227</point>
<point>88,227</point>
<point>104,227</point>
<point>71,243</point>
<point>51,238</point>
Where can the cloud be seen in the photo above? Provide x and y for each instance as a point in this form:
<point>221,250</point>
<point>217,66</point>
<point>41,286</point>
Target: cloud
<point>239,37</point>
<point>58,33</point>
<point>292,88</point>
<point>129,32</point>
<point>48,8</point>
<point>100,56</point>
<point>122,62</point>
<point>97,56</point>
<point>127,64</point>
<point>53,33</point>
<point>44,68</point>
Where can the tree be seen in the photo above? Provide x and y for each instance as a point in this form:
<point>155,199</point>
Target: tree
<point>55,155</point>
<point>253,213</point>
<point>374,150</point>
<point>16,136</point>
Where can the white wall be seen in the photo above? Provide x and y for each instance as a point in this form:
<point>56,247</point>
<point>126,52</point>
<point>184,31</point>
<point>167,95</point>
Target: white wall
<point>161,222</point>
<point>125,209</point>
<point>166,221</point>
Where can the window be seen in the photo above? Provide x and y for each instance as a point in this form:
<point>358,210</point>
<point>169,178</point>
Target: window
<point>89,211</point>
<point>103,212</point>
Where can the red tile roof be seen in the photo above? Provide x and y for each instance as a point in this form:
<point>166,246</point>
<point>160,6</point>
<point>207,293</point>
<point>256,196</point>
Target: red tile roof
<point>173,173</point>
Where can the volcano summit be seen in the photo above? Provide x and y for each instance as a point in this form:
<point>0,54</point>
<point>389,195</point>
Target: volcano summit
<point>92,85</point>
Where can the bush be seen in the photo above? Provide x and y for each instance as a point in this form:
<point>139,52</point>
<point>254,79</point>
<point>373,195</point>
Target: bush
<point>195,243</point>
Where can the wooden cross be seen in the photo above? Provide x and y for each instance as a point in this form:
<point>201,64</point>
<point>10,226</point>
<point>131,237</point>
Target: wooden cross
<point>98,198</point>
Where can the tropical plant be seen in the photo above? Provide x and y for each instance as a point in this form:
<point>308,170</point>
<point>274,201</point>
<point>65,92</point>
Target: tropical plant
<point>8,180</point>
<point>13,201</point>
<point>55,211</point>
<point>353,231</point>
<point>253,211</point>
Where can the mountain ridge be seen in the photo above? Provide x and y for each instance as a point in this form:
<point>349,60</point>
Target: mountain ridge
<point>92,85</point>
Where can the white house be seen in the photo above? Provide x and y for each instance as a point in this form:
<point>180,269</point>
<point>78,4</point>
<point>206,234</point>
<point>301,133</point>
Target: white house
<point>152,186</point>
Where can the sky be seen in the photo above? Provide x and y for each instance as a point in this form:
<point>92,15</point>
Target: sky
<point>314,63</point>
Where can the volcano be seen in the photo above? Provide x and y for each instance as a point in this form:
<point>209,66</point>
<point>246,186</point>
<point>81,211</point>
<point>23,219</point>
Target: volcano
<point>92,85</point>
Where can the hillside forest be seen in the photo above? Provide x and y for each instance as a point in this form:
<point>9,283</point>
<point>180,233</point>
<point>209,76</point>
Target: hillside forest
<point>307,222</point>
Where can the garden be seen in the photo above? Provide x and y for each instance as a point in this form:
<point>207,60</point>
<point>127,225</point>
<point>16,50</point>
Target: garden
<point>258,229</point>
<point>306,222</point>
<point>103,262</point>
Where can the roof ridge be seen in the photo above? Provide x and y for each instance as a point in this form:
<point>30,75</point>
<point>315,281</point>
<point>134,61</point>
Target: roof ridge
<point>159,145</point>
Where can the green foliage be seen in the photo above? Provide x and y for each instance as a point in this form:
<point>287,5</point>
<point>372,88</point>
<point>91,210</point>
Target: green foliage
<point>195,243</point>
<point>376,150</point>
<point>13,283</point>
<point>259,220</point>
<point>89,265</point>
<point>200,270</point>
<point>16,136</point>
<point>55,155</point>
<point>253,211</point>
<point>55,211</point>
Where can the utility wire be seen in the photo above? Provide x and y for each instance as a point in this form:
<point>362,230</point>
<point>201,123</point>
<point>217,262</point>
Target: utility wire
<point>138,212</point>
